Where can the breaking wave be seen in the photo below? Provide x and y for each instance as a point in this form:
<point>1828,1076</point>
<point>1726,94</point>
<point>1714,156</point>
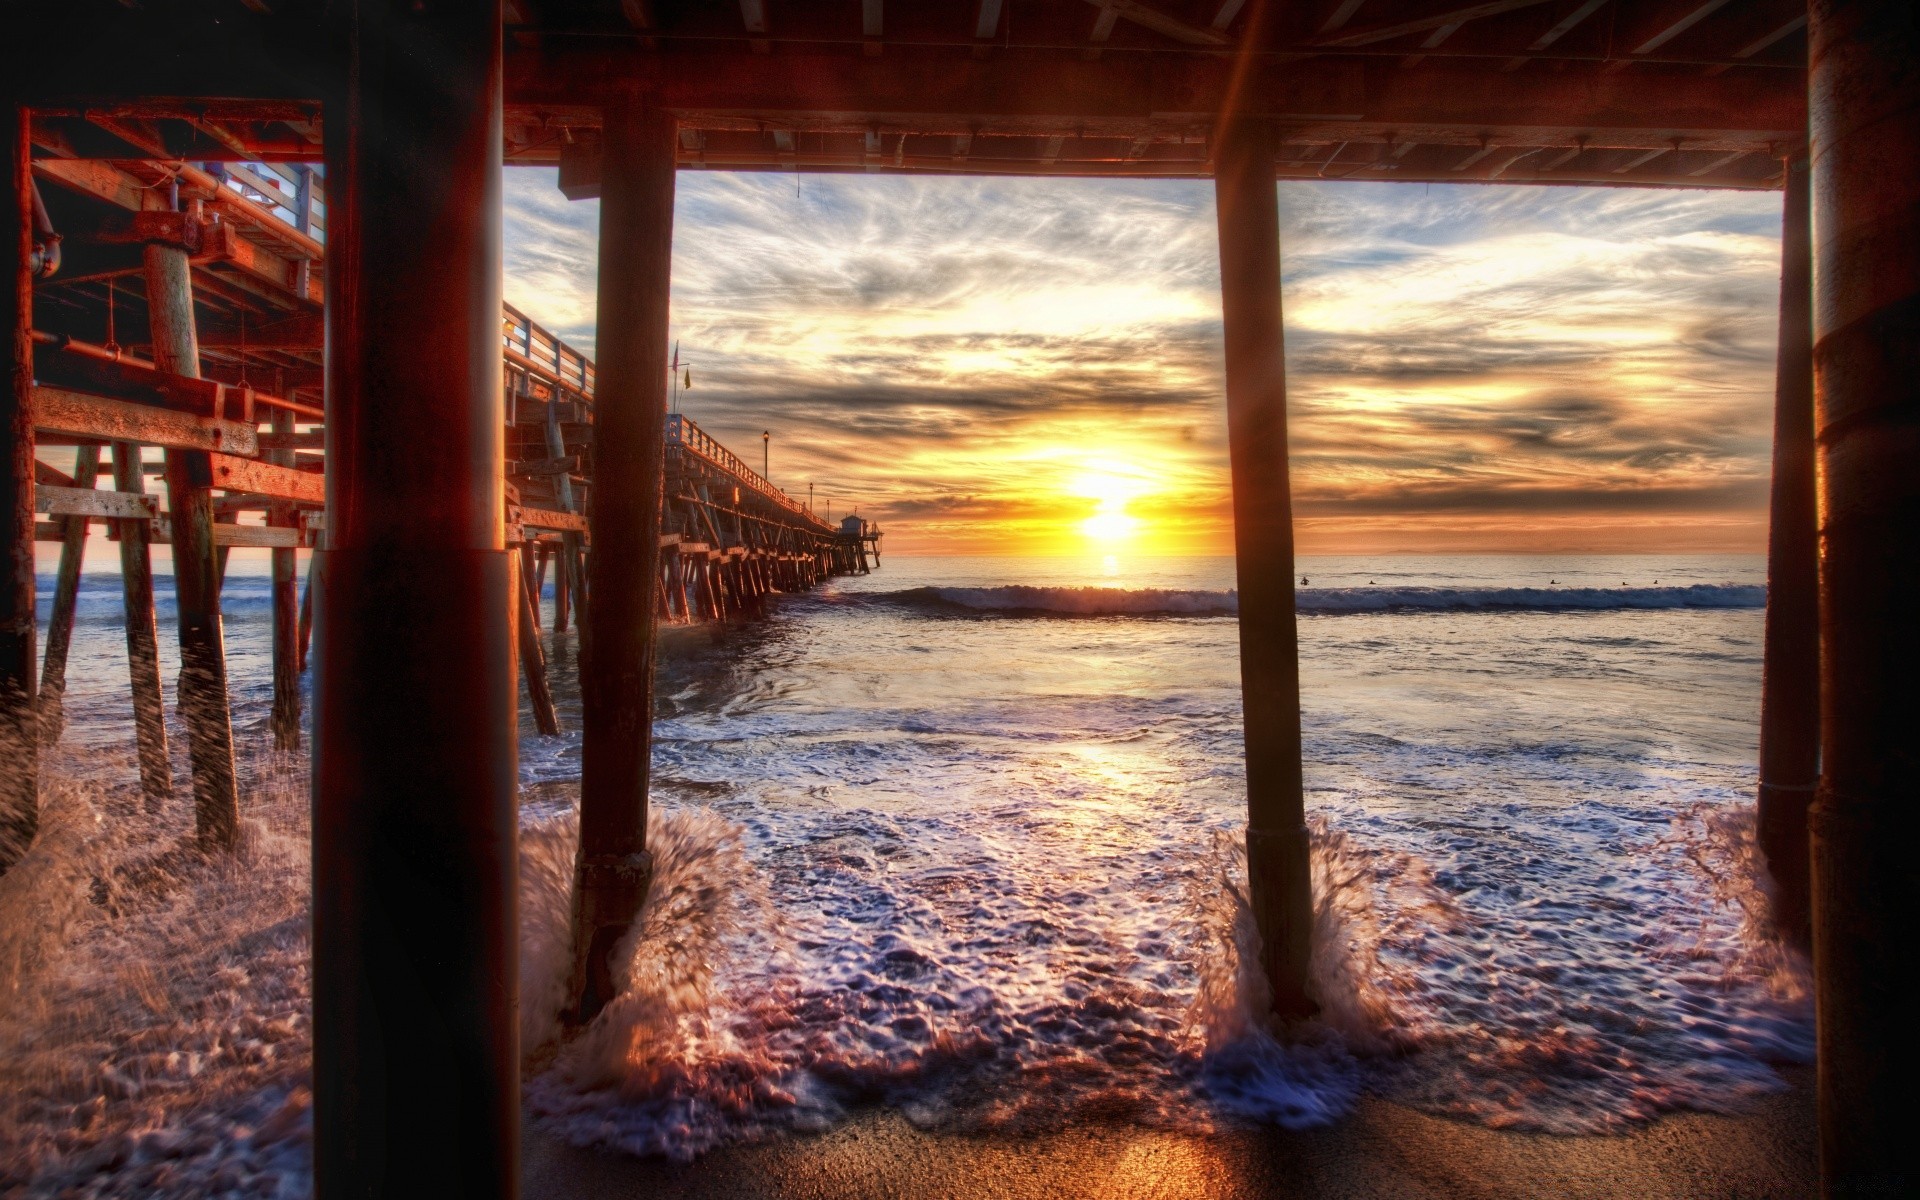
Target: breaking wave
<point>1103,601</point>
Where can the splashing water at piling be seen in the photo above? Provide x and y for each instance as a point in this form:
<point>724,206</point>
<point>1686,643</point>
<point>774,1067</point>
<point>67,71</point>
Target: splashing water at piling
<point>986,869</point>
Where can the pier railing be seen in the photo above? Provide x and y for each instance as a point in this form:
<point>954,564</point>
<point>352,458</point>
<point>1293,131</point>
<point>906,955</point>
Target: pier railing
<point>682,432</point>
<point>541,353</point>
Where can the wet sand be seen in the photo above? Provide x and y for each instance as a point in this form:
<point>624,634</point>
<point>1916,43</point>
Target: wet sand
<point>1384,1150</point>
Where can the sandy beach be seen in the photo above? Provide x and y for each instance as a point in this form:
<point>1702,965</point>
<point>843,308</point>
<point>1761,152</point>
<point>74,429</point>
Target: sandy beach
<point>1383,1150</point>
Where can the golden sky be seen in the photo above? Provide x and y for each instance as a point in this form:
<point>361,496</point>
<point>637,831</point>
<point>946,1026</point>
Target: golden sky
<point>1032,366</point>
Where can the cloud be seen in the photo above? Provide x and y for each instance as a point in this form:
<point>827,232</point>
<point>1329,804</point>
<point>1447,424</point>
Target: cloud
<point>954,352</point>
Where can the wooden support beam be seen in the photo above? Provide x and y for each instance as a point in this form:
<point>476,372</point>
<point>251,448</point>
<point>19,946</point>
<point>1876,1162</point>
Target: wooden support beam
<point>1256,375</point>
<point>84,502</point>
<point>1865,151</point>
<point>616,677</point>
<point>19,662</point>
<point>190,484</point>
<point>1148,17</point>
<point>286,604</point>
<point>415,941</point>
<point>265,479</point>
<point>76,414</point>
<point>143,648</point>
<point>533,659</point>
<point>1561,28</point>
<point>66,590</point>
<point>1449,15</point>
<point>546,518</point>
<point>1790,672</point>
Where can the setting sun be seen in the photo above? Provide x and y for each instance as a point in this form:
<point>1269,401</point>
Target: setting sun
<point>1111,486</point>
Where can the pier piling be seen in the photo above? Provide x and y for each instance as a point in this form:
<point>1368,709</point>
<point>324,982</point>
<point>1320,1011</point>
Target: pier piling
<point>143,639</point>
<point>19,727</point>
<point>1865,127</point>
<point>66,599</point>
<point>1278,880</point>
<point>196,567</point>
<point>286,608</point>
<point>616,673</point>
<point>1790,689</point>
<point>415,968</point>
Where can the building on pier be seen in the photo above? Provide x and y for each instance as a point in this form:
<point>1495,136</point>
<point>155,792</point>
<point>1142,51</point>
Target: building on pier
<point>413,107</point>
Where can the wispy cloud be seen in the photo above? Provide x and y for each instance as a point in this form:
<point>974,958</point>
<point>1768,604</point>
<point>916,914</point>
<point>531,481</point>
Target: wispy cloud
<point>1469,366</point>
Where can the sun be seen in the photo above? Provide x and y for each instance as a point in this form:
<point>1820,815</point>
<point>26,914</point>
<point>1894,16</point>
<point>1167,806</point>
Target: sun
<point>1111,492</point>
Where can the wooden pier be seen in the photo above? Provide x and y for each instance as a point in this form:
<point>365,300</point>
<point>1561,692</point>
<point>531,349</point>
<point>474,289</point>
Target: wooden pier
<point>234,272</point>
<point>458,457</point>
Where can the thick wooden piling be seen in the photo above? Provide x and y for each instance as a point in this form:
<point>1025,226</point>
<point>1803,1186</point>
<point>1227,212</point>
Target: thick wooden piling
<point>1256,374</point>
<point>143,639</point>
<point>306,613</point>
<point>616,676</point>
<point>66,600</point>
<point>1790,691</point>
<point>415,1054</point>
<point>19,732</point>
<point>573,561</point>
<point>1865,133</point>
<point>286,611</point>
<point>196,581</point>
<point>533,659</point>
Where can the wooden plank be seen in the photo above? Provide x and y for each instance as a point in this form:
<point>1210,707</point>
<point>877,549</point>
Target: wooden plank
<point>312,440</point>
<point>260,536</point>
<point>89,502</point>
<point>546,518</point>
<point>77,414</point>
<point>546,466</point>
<point>265,479</point>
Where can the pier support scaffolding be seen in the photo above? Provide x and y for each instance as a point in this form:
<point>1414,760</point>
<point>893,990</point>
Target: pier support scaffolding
<point>1865,151</point>
<point>1278,882</point>
<point>416,1056</point>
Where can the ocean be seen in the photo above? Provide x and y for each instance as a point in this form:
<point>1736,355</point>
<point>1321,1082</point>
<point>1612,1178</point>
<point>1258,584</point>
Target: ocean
<point>961,839</point>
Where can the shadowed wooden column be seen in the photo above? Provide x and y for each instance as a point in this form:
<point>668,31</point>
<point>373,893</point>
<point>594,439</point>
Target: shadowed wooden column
<point>143,642</point>
<point>196,578</point>
<point>415,955</point>
<point>19,732</point>
<point>1790,693</point>
<point>629,449</point>
<point>286,606</point>
<point>1865,134</point>
<point>66,600</point>
<point>1277,852</point>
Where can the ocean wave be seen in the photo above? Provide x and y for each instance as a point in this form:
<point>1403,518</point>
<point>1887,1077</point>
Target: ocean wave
<point>1101,601</point>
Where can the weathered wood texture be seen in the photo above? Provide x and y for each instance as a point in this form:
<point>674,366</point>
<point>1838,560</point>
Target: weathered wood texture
<point>1866,898</point>
<point>196,585</point>
<point>81,415</point>
<point>616,673</point>
<point>1790,686</point>
<point>286,605</point>
<point>415,948</point>
<point>1277,851</point>
<point>143,649</point>
<point>19,733</point>
<point>66,591</point>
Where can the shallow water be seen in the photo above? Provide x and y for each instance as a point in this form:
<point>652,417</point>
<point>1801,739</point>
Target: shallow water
<point>961,838</point>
